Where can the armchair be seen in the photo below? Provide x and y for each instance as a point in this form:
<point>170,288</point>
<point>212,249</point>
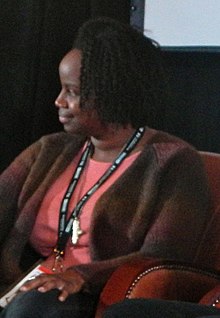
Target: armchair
<point>166,279</point>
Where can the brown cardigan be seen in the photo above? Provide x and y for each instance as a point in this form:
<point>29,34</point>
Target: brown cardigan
<point>143,214</point>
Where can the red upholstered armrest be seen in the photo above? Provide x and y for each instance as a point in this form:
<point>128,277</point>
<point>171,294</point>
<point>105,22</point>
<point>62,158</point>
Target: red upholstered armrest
<point>212,298</point>
<point>157,279</point>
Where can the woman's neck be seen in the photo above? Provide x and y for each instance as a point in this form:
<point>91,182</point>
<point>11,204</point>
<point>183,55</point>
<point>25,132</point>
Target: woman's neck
<point>108,146</point>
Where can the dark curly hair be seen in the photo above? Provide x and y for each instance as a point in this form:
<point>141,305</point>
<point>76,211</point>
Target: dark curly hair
<point>122,71</point>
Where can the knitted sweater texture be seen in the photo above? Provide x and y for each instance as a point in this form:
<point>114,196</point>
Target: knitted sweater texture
<point>145,213</point>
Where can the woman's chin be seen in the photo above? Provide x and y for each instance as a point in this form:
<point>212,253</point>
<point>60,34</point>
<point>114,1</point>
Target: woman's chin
<point>73,130</point>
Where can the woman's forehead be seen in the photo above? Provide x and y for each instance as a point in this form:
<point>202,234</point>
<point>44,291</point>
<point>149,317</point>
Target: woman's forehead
<point>71,63</point>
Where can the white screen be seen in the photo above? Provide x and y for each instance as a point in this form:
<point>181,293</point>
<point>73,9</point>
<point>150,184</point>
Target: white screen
<point>183,22</point>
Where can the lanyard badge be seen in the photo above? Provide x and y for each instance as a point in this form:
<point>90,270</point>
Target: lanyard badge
<point>71,227</point>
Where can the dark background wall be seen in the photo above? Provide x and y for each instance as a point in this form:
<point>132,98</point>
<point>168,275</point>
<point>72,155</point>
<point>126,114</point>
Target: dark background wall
<point>35,34</point>
<point>195,83</point>
<point>194,114</point>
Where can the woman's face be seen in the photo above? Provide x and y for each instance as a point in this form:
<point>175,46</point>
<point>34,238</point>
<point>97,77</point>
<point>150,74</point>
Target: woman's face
<point>73,118</point>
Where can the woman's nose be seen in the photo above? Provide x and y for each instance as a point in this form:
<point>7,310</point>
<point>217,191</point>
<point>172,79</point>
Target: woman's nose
<point>60,101</point>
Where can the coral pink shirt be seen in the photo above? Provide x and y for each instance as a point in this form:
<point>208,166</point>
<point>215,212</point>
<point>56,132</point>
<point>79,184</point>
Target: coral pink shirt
<point>44,234</point>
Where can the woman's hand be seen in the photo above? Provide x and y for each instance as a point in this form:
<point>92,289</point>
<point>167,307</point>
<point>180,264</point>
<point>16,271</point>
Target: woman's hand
<point>68,282</point>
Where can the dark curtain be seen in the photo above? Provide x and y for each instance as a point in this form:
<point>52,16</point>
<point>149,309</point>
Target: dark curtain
<point>34,36</point>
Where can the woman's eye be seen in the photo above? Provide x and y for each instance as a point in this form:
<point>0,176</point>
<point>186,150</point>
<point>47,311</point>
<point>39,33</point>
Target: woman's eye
<point>73,92</point>
<point>70,91</point>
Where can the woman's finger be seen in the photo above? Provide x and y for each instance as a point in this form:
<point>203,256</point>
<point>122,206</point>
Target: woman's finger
<point>67,282</point>
<point>38,282</point>
<point>32,283</point>
<point>63,295</point>
<point>50,284</point>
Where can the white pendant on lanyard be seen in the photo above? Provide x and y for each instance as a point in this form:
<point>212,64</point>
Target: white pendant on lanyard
<point>76,230</point>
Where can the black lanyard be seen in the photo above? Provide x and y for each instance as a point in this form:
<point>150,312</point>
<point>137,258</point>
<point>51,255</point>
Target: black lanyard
<point>65,226</point>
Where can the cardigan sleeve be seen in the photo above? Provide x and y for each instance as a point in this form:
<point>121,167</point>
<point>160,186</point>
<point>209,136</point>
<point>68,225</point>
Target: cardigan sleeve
<point>183,207</point>
<point>29,169</point>
<point>12,180</point>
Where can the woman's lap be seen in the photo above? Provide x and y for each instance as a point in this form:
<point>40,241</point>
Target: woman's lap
<point>155,308</point>
<point>34,304</point>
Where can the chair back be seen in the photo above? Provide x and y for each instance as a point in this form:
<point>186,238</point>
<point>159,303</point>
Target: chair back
<point>212,165</point>
<point>209,251</point>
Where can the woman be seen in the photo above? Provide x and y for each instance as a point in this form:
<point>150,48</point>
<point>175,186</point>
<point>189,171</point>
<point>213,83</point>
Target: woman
<point>106,191</point>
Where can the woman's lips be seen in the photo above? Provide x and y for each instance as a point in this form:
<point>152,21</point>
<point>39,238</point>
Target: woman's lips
<point>64,119</point>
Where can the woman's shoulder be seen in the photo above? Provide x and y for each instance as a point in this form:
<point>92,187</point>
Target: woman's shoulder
<point>165,140</point>
<point>50,146</point>
<point>167,146</point>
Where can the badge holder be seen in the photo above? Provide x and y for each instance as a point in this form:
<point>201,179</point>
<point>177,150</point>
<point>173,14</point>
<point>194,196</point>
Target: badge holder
<point>13,290</point>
